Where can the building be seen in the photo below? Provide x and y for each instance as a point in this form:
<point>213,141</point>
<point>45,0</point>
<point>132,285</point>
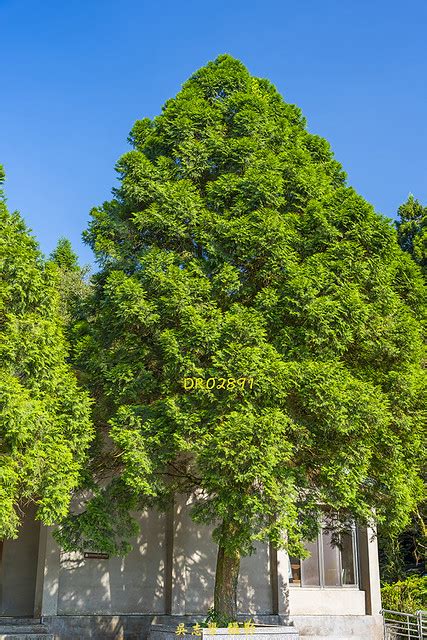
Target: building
<point>170,572</point>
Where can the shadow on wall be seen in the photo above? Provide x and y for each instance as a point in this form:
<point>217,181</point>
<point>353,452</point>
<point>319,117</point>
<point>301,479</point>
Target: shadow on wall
<point>136,583</point>
<point>194,569</point>
<point>132,584</point>
<point>254,594</point>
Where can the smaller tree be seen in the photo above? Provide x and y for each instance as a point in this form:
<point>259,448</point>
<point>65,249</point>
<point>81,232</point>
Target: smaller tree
<point>45,426</point>
<point>73,285</point>
<point>64,256</point>
<point>412,230</point>
<point>407,553</point>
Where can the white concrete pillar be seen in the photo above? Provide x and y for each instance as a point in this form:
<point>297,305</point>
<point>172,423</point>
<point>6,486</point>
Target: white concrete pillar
<point>47,581</point>
<point>178,582</point>
<point>369,570</point>
<point>283,584</point>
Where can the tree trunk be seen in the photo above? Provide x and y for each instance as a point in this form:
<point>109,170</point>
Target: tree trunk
<point>226,577</point>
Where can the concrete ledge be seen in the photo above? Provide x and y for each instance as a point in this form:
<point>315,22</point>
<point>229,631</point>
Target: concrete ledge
<point>339,627</point>
<point>260,632</point>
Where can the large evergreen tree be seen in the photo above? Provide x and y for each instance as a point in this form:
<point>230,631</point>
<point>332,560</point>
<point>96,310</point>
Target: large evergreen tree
<point>45,426</point>
<point>234,249</point>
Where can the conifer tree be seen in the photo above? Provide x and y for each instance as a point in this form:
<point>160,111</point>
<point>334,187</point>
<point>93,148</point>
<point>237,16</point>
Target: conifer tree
<point>74,287</point>
<point>233,250</point>
<point>412,231</point>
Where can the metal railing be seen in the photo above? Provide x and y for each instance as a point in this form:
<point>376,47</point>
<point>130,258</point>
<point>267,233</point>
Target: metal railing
<point>404,626</point>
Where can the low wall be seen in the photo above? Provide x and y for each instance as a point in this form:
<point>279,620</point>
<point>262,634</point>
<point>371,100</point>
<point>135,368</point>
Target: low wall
<point>138,627</point>
<point>127,627</point>
<point>124,627</point>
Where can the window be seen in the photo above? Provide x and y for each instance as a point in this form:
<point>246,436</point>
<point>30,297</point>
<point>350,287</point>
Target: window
<point>329,565</point>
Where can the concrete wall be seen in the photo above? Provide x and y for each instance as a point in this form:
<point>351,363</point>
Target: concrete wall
<point>133,584</point>
<point>18,570</point>
<point>172,570</point>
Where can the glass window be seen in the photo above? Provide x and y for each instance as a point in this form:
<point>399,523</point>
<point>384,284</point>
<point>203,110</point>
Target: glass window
<point>310,574</point>
<point>294,571</point>
<point>331,561</point>
<point>347,559</point>
<point>329,564</point>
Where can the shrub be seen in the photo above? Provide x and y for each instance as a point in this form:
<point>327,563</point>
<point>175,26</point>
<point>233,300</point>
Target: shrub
<point>409,595</point>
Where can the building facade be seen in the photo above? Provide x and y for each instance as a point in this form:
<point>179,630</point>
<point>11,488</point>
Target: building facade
<point>169,576</point>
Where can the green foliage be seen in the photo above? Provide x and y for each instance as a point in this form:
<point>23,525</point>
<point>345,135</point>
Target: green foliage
<point>106,522</point>
<point>407,552</point>
<point>412,231</point>
<point>409,595</point>
<point>233,248</point>
<point>73,286</point>
<point>219,619</point>
<point>44,417</point>
<point>64,256</point>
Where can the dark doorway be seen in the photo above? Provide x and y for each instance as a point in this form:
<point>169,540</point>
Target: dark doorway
<point>18,570</point>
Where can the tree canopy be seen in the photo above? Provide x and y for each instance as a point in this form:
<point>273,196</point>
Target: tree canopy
<point>45,426</point>
<point>234,249</point>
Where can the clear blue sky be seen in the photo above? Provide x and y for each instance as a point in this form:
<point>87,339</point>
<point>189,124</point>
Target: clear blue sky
<point>75,75</point>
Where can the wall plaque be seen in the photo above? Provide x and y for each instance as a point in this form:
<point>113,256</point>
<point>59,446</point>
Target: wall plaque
<point>96,556</point>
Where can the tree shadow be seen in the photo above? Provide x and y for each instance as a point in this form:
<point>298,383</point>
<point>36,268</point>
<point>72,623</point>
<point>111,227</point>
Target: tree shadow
<point>128,585</point>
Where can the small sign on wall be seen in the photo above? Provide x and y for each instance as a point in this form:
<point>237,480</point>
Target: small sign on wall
<point>92,555</point>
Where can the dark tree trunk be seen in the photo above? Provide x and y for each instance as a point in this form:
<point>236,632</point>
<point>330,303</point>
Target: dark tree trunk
<point>226,578</point>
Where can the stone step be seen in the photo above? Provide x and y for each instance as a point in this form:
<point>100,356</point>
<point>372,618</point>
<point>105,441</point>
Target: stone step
<point>13,620</point>
<point>23,629</point>
<point>26,636</point>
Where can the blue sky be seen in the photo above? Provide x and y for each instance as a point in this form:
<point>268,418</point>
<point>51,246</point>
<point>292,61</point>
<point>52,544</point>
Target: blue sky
<point>75,75</point>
